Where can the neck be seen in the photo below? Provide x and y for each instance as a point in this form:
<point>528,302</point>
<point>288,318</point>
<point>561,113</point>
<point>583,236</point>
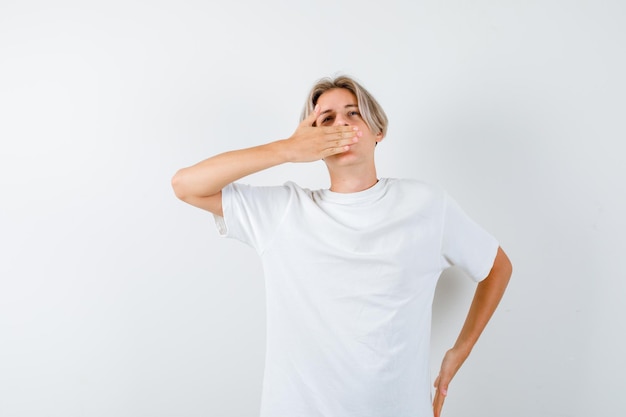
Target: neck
<point>350,181</point>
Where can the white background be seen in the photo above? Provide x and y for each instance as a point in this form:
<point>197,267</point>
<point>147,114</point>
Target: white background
<point>116,299</point>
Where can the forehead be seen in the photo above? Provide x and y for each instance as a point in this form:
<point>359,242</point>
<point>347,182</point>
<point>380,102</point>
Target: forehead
<point>336,97</point>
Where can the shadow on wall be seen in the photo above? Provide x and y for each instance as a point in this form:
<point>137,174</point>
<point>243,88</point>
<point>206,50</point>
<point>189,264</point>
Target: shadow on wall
<point>453,297</point>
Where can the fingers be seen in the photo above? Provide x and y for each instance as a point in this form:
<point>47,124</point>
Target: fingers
<point>341,131</point>
<point>310,143</point>
<point>438,403</point>
<point>441,392</point>
<point>339,139</point>
<point>442,388</point>
<point>310,119</point>
<point>340,147</point>
<point>340,136</point>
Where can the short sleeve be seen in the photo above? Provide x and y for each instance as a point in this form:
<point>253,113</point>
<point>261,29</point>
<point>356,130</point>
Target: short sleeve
<point>465,243</point>
<point>251,214</point>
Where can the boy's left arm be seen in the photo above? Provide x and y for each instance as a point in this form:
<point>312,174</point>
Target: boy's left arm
<point>486,298</point>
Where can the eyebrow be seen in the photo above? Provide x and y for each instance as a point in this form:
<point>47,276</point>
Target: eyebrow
<point>345,107</point>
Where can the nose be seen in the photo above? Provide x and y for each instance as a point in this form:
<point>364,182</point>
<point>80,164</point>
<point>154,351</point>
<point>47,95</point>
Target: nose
<point>340,121</point>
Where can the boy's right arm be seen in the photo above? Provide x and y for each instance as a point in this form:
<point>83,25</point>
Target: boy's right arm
<point>201,184</point>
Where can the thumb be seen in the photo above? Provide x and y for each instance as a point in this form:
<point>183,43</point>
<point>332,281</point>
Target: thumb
<point>442,386</point>
<point>310,119</point>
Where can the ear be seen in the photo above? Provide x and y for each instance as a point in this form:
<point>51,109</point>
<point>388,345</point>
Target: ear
<point>379,137</point>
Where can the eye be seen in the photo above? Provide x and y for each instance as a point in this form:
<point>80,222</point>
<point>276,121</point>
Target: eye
<point>354,113</point>
<point>327,119</point>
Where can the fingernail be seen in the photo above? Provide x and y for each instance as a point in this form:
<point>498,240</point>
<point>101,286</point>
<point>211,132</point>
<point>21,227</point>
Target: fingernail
<point>317,107</point>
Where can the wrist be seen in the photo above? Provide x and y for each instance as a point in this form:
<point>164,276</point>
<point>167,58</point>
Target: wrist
<point>463,348</point>
<point>281,150</point>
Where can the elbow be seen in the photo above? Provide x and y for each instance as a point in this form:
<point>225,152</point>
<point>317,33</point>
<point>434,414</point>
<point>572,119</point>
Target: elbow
<point>192,189</point>
<point>502,268</point>
<point>178,184</point>
<point>504,264</point>
<point>508,266</point>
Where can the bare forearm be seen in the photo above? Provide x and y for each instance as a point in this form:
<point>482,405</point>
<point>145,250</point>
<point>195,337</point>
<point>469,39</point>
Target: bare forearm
<point>307,144</point>
<point>486,298</point>
<point>208,177</point>
<point>201,184</point>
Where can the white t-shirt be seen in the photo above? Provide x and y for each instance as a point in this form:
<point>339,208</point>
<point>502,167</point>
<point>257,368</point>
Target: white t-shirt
<point>350,280</point>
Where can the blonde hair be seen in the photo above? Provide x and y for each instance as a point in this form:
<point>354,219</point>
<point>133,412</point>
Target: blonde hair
<point>371,112</point>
